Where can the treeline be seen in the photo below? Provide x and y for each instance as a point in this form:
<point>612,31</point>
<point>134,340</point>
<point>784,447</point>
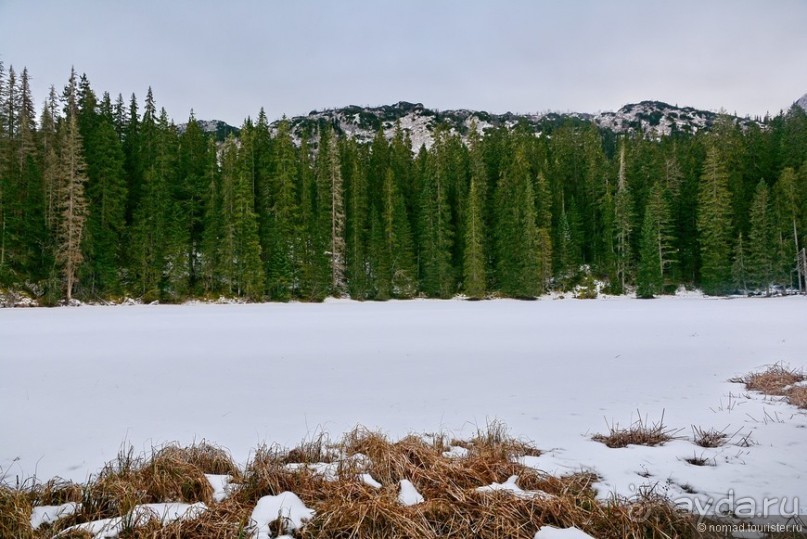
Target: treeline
<point>99,200</point>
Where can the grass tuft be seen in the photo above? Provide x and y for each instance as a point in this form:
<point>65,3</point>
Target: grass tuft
<point>641,432</point>
<point>709,437</point>
<point>779,380</point>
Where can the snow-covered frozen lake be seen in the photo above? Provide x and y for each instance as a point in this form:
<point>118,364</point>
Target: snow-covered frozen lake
<point>77,383</point>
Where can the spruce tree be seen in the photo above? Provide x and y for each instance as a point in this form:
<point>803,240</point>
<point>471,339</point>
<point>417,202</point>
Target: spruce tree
<point>656,246</point>
<point>623,225</point>
<point>760,255</point>
<point>106,194</point>
<point>739,272</point>
<point>356,222</point>
<point>71,199</point>
<point>787,200</point>
<point>399,250</point>
<point>281,234</point>
<point>518,259</point>
<point>436,233</point>
<point>239,251</point>
<point>475,256</point>
<point>714,224</point>
<point>190,192</point>
<point>331,209</point>
<point>649,279</point>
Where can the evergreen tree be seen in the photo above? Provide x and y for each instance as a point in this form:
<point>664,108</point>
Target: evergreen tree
<point>760,256</point>
<point>331,208</point>
<point>739,273</point>
<point>650,278</point>
<point>281,233</point>
<point>356,222</point>
<point>106,194</point>
<point>436,233</point>
<point>475,257</point>
<point>714,224</point>
<point>189,192</point>
<point>656,245</point>
<point>239,245</point>
<point>623,225</point>
<point>787,199</point>
<point>71,200</point>
<point>398,247</point>
<point>518,260</point>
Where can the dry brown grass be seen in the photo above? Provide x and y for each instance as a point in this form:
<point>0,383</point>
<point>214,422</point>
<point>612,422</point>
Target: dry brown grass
<point>641,432</point>
<point>778,380</point>
<point>709,437</point>
<point>346,507</point>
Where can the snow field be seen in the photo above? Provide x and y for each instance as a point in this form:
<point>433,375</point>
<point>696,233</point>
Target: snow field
<point>77,383</point>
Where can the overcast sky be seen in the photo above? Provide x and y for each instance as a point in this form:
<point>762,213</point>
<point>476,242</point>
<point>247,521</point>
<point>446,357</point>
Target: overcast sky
<point>226,59</point>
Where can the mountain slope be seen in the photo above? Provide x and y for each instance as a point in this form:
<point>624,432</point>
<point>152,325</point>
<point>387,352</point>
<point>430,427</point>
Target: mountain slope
<point>655,119</point>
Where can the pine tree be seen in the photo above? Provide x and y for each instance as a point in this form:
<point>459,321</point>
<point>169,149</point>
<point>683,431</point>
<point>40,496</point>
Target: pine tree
<point>356,222</point>
<point>650,278</point>
<point>760,256</point>
<point>739,273</point>
<point>399,251</point>
<point>331,208</point>
<point>714,224</point>
<point>190,192</point>
<point>239,251</point>
<point>71,200</point>
<point>312,234</point>
<point>211,259</point>
<point>787,200</point>
<point>543,208</point>
<point>436,233</point>
<point>106,194</point>
<point>656,246</point>
<point>518,259</point>
<point>475,257</point>
<point>50,159</point>
<point>623,224</point>
<point>4,277</point>
<point>281,233</point>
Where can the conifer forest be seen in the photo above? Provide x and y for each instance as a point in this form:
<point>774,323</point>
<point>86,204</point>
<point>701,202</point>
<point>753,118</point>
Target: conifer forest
<point>100,201</point>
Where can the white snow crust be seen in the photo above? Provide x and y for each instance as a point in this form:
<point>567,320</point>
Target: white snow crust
<point>285,505</point>
<point>48,514</point>
<point>551,532</point>
<point>77,384</point>
<point>111,528</point>
<point>408,494</point>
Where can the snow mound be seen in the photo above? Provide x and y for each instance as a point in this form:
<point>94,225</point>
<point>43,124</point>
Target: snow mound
<point>511,487</point>
<point>368,479</point>
<point>455,452</point>
<point>286,506</point>
<point>221,484</point>
<point>48,514</point>
<point>328,470</point>
<point>551,532</point>
<point>111,528</point>
<point>408,494</point>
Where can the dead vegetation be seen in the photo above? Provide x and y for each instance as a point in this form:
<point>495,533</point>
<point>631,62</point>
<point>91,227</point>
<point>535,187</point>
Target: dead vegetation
<point>778,380</point>
<point>709,437</point>
<point>640,432</point>
<point>326,477</point>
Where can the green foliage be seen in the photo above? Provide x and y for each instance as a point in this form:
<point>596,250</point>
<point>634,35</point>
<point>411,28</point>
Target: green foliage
<point>714,224</point>
<point>163,215</point>
<point>518,266</point>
